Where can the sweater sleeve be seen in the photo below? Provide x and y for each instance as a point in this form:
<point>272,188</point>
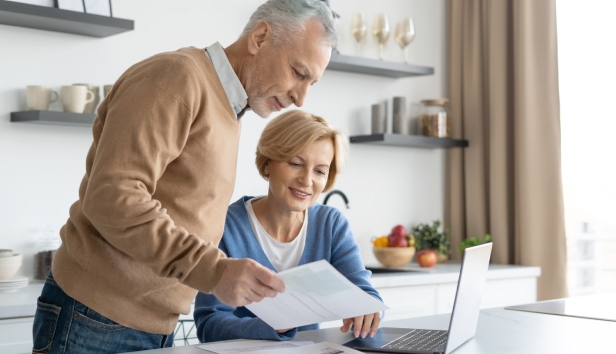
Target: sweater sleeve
<point>346,257</point>
<point>146,127</point>
<point>216,321</point>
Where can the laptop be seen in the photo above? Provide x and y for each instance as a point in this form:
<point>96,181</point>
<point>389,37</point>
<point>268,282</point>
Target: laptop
<point>462,324</point>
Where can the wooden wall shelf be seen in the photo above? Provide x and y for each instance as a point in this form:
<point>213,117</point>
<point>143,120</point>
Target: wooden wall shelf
<point>54,19</point>
<point>416,141</point>
<point>53,117</point>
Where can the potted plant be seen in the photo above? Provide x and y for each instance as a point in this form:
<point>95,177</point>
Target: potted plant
<point>473,241</point>
<point>429,238</point>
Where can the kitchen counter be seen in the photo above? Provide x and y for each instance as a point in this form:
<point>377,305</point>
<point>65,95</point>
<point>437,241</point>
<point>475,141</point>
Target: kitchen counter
<point>412,274</point>
<point>20,303</point>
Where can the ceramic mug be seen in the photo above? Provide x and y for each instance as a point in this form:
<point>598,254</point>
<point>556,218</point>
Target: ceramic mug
<point>75,98</point>
<point>90,107</point>
<point>106,90</point>
<point>38,98</point>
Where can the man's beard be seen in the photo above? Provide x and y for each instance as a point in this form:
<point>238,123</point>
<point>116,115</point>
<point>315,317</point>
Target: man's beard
<point>257,100</point>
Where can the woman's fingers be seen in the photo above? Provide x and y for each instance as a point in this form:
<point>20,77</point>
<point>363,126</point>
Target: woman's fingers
<point>367,323</point>
<point>358,322</point>
<point>375,324</point>
<point>346,325</point>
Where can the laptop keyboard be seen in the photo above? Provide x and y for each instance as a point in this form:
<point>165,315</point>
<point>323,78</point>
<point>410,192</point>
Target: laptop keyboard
<point>419,339</point>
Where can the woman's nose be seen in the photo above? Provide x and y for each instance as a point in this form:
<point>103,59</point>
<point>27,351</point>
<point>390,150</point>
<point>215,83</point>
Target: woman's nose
<point>305,178</point>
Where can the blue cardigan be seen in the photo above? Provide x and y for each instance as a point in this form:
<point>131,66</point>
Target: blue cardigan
<point>328,237</point>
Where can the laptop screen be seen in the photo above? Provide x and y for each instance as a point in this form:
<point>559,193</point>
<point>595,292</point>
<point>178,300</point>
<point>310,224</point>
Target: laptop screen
<point>468,295</point>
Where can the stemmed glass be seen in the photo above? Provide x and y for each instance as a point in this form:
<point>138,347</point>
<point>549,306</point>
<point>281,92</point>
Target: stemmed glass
<point>380,31</point>
<point>358,29</point>
<point>405,33</point>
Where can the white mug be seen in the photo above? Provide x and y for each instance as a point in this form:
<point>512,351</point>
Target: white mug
<point>90,107</point>
<point>38,98</point>
<point>75,98</point>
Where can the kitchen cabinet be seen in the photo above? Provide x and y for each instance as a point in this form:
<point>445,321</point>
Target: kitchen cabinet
<point>413,293</point>
<point>57,20</point>
<point>425,292</point>
<point>16,335</point>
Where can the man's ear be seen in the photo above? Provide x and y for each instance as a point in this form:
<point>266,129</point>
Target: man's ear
<point>259,36</point>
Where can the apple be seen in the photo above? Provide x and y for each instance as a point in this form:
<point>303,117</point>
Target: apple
<point>399,231</point>
<point>397,241</point>
<point>426,258</point>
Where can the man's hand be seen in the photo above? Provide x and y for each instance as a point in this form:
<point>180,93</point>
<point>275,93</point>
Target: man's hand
<point>362,324</point>
<point>245,281</point>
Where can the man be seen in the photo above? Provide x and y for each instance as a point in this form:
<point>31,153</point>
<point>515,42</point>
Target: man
<point>143,236</point>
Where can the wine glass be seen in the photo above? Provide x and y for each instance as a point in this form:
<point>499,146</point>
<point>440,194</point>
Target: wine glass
<point>405,33</point>
<point>380,31</point>
<point>358,29</point>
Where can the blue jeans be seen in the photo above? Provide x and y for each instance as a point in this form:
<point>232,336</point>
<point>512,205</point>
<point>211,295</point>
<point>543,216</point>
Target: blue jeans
<point>64,325</point>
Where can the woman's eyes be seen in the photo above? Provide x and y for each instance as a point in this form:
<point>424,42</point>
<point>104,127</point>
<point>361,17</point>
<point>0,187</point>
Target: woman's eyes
<point>320,172</point>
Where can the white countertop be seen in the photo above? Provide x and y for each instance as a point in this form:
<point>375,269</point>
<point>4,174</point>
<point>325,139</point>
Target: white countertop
<point>22,303</point>
<point>441,273</point>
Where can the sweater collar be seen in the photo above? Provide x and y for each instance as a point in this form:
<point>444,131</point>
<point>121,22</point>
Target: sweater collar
<point>230,82</point>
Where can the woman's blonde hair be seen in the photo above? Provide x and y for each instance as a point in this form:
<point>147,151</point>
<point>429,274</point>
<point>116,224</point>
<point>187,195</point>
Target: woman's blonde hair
<point>290,133</point>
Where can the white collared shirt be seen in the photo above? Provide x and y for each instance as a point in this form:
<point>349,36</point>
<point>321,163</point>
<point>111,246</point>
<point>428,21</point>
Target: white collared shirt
<point>238,98</point>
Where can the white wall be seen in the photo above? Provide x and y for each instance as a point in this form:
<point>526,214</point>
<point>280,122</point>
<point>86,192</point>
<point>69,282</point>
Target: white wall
<point>41,165</point>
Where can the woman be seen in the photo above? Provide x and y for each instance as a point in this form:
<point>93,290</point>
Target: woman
<point>300,155</point>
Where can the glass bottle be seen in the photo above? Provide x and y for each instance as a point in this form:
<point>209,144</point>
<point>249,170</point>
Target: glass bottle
<point>434,118</point>
<point>46,246</point>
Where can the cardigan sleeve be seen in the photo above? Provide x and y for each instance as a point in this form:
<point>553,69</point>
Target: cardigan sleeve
<point>346,258</point>
<point>216,321</point>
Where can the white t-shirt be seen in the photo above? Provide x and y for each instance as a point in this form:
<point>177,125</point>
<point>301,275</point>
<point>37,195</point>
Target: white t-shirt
<point>282,255</point>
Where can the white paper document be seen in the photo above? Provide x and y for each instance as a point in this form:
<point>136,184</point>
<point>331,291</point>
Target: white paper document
<point>250,346</point>
<point>315,292</point>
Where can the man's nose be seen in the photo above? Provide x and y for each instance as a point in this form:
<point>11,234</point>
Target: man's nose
<point>299,94</point>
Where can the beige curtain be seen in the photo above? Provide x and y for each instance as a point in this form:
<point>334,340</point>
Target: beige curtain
<point>504,100</point>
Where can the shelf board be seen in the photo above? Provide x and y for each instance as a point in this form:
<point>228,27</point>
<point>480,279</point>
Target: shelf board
<point>54,19</point>
<point>368,66</point>
<point>53,117</point>
<point>418,141</point>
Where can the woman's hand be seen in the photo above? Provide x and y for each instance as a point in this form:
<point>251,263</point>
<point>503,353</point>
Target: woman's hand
<point>362,325</point>
<point>283,330</point>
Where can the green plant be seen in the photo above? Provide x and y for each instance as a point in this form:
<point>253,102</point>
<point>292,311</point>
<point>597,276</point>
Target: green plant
<point>474,241</point>
<point>429,238</point>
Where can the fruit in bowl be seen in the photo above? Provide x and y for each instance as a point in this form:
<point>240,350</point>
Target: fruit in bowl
<point>426,258</point>
<point>395,249</point>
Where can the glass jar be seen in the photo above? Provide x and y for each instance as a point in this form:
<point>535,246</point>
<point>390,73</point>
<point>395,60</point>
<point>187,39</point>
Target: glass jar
<point>45,248</point>
<point>434,118</point>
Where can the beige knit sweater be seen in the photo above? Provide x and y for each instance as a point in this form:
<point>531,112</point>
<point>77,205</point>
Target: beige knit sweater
<point>143,236</point>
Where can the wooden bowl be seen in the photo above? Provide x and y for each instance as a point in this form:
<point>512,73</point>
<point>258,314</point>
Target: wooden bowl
<point>393,256</point>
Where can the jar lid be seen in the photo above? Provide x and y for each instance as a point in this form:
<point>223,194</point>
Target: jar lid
<point>435,101</point>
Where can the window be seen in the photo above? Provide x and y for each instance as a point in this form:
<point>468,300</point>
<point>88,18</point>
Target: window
<point>587,75</point>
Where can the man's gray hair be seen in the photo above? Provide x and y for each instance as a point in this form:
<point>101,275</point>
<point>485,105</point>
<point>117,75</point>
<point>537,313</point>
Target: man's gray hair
<point>288,19</point>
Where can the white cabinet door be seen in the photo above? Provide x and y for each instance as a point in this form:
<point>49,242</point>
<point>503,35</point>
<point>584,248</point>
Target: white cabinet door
<point>497,293</point>
<point>16,335</point>
<point>408,301</point>
<point>509,292</point>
